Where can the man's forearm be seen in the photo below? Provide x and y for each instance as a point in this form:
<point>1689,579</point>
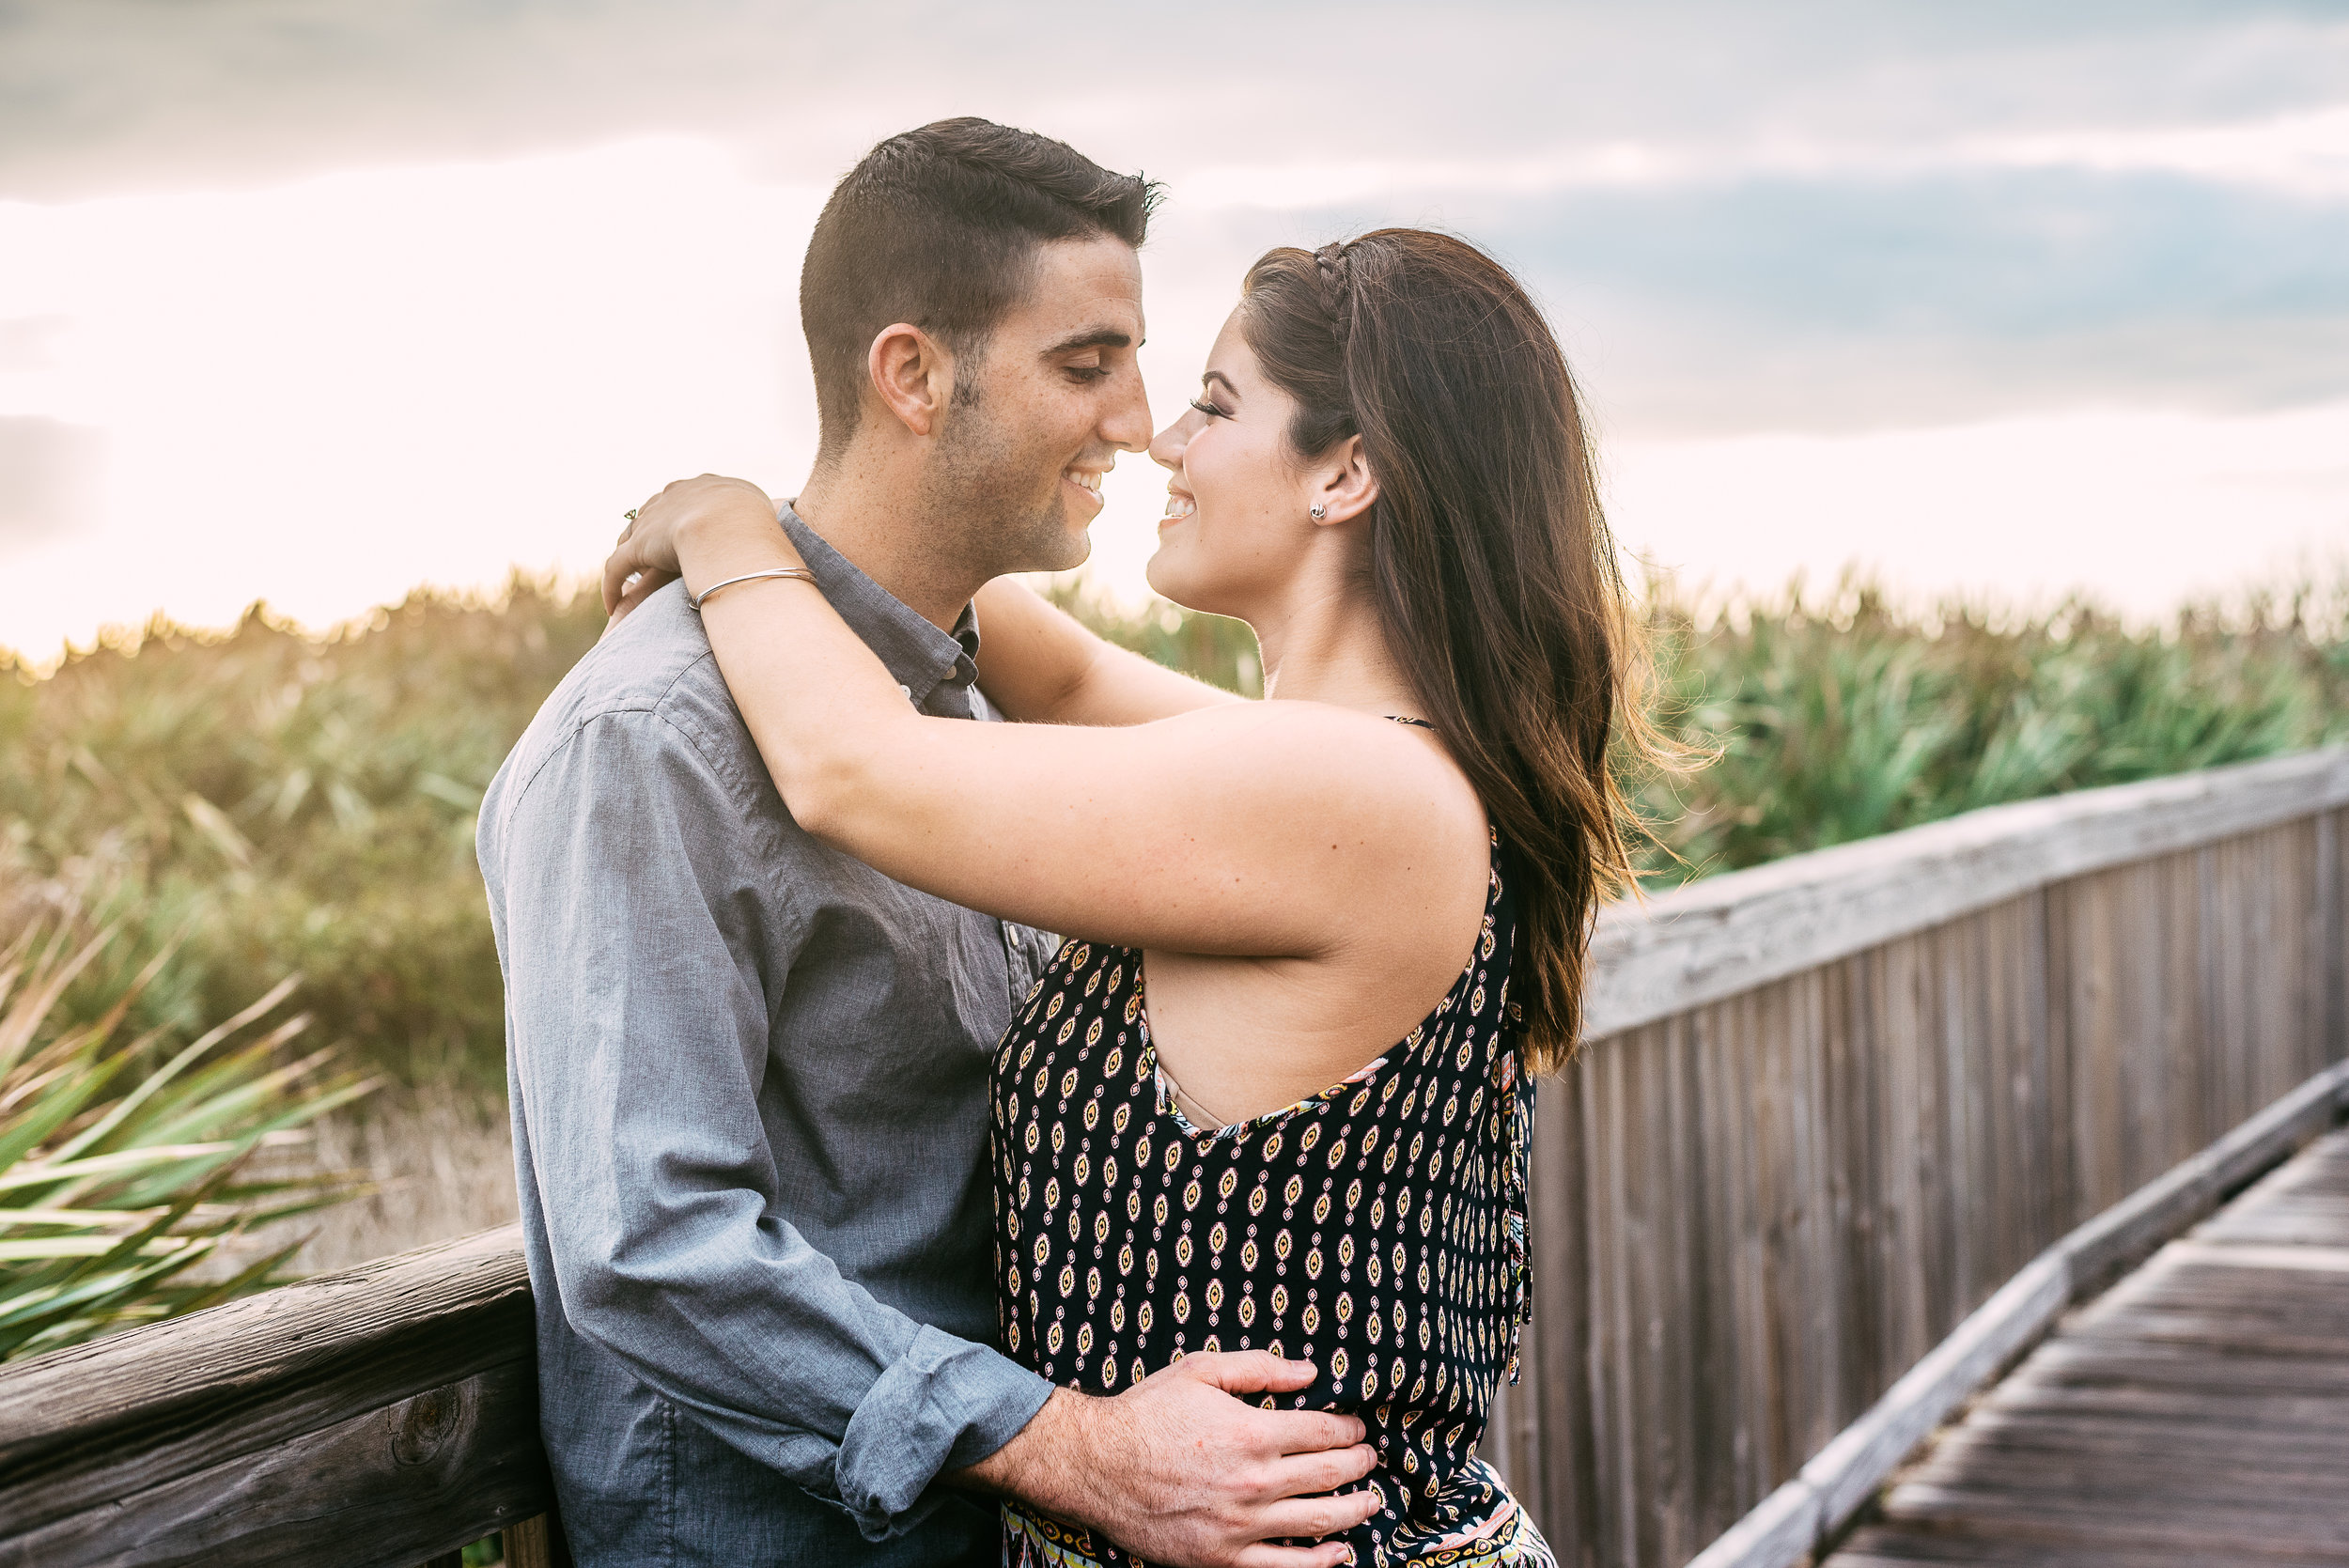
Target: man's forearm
<point>1028,1466</point>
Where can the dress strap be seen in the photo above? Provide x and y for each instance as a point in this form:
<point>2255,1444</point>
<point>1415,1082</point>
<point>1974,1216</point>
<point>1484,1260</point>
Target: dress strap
<point>1400,719</point>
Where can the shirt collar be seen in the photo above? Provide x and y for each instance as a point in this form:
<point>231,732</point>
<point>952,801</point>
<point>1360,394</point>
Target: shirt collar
<point>919,657</point>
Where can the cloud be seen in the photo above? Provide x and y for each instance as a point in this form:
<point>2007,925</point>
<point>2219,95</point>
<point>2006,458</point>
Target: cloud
<point>2302,154</point>
<point>1823,214</point>
<point>1828,301</point>
<point>2305,155</point>
<point>29,344</point>
<point>52,478</point>
<point>132,94</point>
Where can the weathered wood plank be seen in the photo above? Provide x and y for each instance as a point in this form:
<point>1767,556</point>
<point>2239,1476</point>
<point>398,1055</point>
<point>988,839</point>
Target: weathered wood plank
<point>83,1426</point>
<point>2061,1429</point>
<point>2332,932</point>
<point>1562,1272</point>
<point>386,1488</point>
<point>1781,1528</point>
<point>1879,1547</point>
<point>2229,1534</point>
<point>2036,1390</point>
<point>1728,934</point>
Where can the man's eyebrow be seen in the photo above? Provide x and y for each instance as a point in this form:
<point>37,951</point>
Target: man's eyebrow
<point>1097,337</point>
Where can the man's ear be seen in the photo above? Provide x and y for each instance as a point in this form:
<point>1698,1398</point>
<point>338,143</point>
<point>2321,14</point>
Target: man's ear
<point>912,374</point>
<point>1344,488</point>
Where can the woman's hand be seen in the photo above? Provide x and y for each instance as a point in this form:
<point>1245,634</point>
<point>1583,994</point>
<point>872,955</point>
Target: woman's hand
<point>659,540</point>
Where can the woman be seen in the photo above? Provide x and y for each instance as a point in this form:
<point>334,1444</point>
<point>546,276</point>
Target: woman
<point>1275,1092</point>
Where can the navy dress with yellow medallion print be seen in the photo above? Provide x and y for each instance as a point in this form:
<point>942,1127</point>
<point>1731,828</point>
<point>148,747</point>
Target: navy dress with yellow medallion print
<point>1377,1229</point>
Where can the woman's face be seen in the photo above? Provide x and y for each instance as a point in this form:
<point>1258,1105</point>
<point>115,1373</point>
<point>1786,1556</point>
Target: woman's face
<point>1236,525</point>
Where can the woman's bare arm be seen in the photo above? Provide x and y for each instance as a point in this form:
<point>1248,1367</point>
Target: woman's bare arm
<point>1040,666</point>
<point>1274,830</point>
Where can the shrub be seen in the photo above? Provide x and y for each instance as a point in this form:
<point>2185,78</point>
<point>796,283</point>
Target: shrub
<point>1844,717</point>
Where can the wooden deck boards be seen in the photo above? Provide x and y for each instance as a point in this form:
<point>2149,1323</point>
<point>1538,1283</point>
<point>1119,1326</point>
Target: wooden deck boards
<point>2195,1414</point>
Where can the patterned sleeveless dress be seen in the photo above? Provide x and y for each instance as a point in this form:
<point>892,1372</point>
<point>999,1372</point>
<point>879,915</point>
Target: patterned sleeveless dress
<point>1377,1229</point>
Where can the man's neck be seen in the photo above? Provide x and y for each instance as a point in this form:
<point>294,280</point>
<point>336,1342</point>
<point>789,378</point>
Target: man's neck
<point>867,520</point>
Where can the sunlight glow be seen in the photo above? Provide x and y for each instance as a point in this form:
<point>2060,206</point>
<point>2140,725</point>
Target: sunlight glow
<point>326,393</point>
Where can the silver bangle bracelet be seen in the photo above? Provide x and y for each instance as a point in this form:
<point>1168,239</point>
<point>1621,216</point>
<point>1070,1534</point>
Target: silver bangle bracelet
<point>693,601</point>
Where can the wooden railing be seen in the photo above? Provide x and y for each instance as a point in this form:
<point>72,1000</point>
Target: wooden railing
<point>1851,1130</point>
<point>382,1418</point>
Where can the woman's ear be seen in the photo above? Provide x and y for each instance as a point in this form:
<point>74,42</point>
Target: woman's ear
<point>1344,488</point>
<point>913,376</point>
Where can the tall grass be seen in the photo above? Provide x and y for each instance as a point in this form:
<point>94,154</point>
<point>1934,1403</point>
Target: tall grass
<point>315,797</point>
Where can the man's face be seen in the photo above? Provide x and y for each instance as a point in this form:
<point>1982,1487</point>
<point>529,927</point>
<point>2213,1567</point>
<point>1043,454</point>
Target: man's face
<point>1038,421</point>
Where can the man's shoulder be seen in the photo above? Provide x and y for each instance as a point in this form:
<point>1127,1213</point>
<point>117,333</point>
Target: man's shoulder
<point>655,673</point>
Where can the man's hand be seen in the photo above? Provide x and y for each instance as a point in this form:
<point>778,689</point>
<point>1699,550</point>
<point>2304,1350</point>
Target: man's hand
<point>1178,1471</point>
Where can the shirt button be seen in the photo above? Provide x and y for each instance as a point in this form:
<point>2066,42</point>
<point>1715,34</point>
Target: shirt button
<point>905,692</point>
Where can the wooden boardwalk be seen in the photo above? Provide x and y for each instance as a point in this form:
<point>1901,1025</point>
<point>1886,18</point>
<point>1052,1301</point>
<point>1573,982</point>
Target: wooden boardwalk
<point>2196,1413</point>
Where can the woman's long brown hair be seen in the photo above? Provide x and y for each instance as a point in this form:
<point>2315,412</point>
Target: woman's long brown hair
<point>1495,575</point>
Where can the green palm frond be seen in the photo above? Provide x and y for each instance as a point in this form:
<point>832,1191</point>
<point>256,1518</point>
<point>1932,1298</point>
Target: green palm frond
<point>124,1164</point>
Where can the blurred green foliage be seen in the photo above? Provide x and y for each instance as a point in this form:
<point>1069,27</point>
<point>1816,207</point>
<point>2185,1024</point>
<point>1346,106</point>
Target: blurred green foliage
<point>1841,716</point>
<point>315,798</point>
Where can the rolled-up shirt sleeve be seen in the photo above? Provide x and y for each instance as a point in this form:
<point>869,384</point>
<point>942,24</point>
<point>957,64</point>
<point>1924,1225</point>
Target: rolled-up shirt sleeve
<point>643,974</point>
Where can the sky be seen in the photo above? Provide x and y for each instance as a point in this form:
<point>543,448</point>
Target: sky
<point>312,300</point>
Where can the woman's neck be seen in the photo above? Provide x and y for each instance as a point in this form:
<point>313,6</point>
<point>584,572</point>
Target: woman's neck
<point>1323,644</point>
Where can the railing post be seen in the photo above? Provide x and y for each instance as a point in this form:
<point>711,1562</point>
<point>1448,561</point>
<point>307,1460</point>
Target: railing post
<point>536,1544</point>
<point>2332,904</point>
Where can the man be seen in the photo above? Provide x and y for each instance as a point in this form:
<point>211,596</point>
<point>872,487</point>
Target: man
<point>748,1074</point>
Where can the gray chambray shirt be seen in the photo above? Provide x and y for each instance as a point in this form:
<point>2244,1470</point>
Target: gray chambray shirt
<point>748,1079</point>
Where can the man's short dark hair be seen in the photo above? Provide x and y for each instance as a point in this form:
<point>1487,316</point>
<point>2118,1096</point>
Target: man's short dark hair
<point>939,227</point>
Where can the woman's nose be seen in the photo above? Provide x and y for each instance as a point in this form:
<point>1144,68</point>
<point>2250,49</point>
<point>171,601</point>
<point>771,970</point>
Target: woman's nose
<point>1166,447</point>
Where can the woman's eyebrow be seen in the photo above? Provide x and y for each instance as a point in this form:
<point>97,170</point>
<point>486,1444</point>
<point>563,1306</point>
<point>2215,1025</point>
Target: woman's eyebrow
<point>1220,376</point>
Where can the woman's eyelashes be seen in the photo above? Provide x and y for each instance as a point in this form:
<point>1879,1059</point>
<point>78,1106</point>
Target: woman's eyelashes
<point>1209,409</point>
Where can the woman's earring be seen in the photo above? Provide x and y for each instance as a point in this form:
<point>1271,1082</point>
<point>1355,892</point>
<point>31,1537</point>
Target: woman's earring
<point>1317,512</point>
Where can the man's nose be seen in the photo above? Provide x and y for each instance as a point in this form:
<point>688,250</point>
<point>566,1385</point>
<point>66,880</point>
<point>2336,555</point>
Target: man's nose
<point>1127,425</point>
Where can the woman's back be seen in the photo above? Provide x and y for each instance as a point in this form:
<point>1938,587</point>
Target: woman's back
<point>1376,1229</point>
